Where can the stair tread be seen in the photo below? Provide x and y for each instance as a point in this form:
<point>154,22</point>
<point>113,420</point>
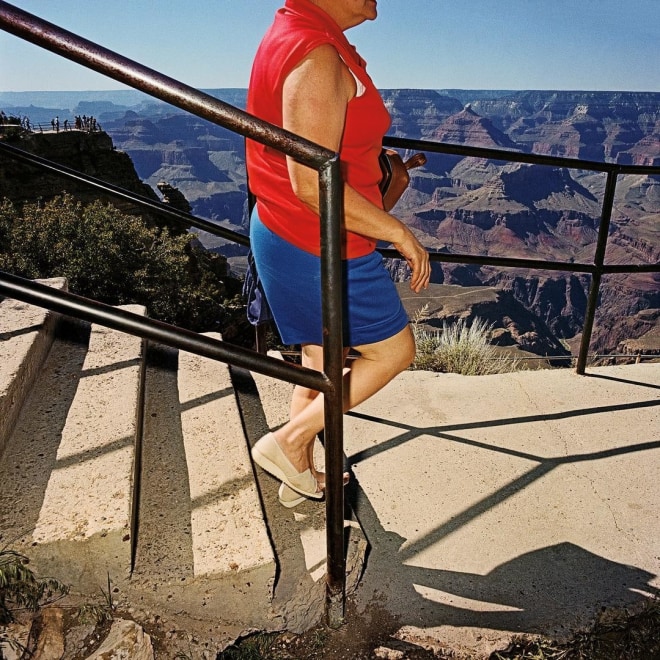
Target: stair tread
<point>90,489</point>
<point>26,335</point>
<point>32,447</point>
<point>70,462</point>
<point>203,545</point>
<point>228,531</point>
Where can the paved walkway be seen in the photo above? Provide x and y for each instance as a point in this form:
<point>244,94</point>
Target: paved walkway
<point>517,503</point>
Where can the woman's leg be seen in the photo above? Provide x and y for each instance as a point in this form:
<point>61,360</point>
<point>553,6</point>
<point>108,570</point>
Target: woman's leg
<point>377,364</point>
<point>312,358</point>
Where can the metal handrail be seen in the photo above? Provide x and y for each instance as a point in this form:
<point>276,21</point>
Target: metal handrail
<point>597,269</point>
<point>70,304</point>
<point>326,162</point>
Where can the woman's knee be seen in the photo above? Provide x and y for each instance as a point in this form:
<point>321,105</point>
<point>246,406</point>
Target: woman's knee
<point>398,351</point>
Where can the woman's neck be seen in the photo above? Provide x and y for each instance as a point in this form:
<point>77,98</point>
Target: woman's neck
<point>337,10</point>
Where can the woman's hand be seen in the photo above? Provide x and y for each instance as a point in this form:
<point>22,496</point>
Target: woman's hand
<point>417,259</point>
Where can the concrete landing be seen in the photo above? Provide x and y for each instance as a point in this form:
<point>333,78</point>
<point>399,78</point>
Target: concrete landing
<point>516,503</point>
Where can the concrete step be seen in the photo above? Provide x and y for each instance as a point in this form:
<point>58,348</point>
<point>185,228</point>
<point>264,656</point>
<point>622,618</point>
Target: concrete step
<point>68,468</point>
<point>203,545</point>
<point>76,497</point>
<point>129,461</point>
<point>26,335</point>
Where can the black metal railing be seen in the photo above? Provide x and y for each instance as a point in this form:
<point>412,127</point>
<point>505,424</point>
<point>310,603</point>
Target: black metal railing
<point>71,46</point>
<point>596,269</point>
<point>329,382</point>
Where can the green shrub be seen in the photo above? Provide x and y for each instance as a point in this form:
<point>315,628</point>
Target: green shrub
<point>457,348</point>
<point>21,589</point>
<point>117,259</point>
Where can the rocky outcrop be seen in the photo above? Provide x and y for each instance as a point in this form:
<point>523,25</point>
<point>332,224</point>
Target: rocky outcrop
<point>417,112</point>
<point>126,639</point>
<point>648,339</point>
<point>559,300</point>
<point>511,324</point>
<point>90,153</point>
<point>173,197</point>
<point>204,161</point>
<point>618,120</point>
<point>467,127</point>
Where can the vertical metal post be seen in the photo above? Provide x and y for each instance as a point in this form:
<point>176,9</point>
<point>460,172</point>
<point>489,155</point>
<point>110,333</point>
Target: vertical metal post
<point>599,260</point>
<point>331,203</point>
<point>260,341</point>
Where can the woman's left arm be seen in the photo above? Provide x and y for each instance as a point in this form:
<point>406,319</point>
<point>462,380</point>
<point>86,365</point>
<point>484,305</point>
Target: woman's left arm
<point>315,98</point>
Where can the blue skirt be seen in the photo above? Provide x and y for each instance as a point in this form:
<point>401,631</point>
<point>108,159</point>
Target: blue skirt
<point>291,279</point>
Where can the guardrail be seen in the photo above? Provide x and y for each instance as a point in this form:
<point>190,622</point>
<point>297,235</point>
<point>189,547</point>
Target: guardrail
<point>189,220</point>
<point>597,269</point>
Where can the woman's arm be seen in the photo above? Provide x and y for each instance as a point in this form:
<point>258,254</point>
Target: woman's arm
<point>316,94</point>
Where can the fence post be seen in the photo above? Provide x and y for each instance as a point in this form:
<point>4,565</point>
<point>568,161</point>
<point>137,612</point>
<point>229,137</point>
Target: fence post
<point>599,260</point>
<point>330,185</point>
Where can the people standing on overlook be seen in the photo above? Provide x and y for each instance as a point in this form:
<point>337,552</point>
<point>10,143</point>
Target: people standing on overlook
<point>307,78</point>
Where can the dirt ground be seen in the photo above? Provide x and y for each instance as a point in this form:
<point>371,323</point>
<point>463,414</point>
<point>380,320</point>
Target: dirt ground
<point>616,635</point>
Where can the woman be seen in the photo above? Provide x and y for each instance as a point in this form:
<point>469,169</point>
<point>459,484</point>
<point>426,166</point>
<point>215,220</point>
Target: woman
<point>308,79</point>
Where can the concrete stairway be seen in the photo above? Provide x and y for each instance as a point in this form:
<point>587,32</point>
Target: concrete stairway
<point>129,462</point>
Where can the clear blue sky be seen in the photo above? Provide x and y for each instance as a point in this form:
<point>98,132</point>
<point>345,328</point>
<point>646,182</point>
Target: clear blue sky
<point>435,44</point>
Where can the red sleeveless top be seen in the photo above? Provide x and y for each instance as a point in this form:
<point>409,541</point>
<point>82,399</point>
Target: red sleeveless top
<point>299,28</point>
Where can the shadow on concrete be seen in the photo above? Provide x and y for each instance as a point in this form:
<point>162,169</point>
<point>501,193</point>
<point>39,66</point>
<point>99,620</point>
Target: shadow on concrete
<point>624,380</point>
<point>411,432</point>
<point>551,591</point>
<point>545,464</point>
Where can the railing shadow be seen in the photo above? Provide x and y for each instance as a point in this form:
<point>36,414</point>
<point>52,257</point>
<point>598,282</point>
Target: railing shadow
<point>624,380</point>
<point>412,432</point>
<point>544,467</point>
<point>536,590</point>
<point>19,332</point>
<point>548,591</point>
